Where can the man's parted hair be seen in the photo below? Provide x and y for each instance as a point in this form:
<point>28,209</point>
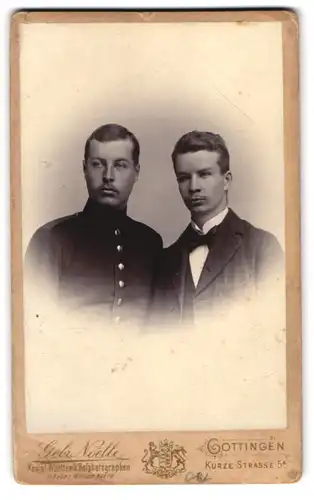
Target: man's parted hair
<point>199,141</point>
<point>113,132</point>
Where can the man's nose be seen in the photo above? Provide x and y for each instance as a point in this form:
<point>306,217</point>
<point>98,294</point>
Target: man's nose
<point>194,185</point>
<point>108,173</point>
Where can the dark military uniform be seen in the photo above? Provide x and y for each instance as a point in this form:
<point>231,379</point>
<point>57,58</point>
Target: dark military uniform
<point>97,262</point>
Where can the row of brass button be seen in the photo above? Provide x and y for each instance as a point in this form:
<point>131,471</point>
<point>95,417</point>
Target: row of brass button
<point>120,282</point>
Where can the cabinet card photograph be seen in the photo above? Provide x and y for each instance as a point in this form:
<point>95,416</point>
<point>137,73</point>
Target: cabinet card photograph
<point>155,224</point>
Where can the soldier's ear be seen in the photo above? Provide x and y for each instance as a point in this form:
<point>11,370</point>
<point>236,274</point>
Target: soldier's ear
<point>84,166</point>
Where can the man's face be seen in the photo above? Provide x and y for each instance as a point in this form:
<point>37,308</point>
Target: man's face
<point>110,172</point>
<point>202,185</point>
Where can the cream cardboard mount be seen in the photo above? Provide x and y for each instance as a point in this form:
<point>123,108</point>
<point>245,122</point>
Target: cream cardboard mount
<point>95,407</point>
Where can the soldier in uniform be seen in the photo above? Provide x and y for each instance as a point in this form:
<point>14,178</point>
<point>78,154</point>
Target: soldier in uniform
<point>99,262</point>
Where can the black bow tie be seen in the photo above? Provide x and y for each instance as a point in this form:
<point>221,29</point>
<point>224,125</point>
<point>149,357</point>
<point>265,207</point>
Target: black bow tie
<point>195,239</point>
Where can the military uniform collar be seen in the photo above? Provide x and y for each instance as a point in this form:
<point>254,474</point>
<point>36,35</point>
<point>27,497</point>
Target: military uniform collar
<point>101,214</point>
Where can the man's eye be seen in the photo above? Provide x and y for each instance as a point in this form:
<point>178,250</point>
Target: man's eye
<point>182,179</point>
<point>121,164</point>
<point>205,174</point>
<point>96,164</point>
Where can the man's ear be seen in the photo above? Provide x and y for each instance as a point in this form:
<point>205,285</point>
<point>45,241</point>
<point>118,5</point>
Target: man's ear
<point>227,180</point>
<point>84,167</point>
<point>137,170</point>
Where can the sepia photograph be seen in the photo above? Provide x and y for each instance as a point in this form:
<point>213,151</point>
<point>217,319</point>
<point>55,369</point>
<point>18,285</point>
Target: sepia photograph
<point>155,226</point>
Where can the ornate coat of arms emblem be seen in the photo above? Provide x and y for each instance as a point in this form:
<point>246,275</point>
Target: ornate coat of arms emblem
<point>166,460</point>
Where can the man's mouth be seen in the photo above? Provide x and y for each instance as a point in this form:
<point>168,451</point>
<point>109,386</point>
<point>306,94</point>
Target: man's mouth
<point>197,200</point>
<point>109,191</point>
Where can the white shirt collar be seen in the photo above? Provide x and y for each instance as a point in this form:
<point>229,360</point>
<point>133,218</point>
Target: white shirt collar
<point>215,221</point>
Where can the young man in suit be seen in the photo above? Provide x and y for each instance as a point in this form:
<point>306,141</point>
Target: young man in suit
<point>220,260</point>
<point>99,263</point>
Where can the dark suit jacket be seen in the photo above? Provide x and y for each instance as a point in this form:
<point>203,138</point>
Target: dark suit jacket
<point>99,261</point>
<point>244,262</point>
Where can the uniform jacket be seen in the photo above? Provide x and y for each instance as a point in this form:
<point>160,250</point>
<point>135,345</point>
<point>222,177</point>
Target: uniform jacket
<point>241,264</point>
<point>99,261</point>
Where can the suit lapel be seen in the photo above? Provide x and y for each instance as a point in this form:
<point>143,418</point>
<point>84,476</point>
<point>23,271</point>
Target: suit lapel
<point>227,241</point>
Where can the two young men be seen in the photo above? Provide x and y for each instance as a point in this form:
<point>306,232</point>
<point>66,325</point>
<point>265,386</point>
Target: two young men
<point>103,260</point>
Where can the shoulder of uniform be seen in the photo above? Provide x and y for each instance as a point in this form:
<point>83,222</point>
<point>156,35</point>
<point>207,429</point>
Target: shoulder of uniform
<point>56,224</point>
<point>60,221</point>
<point>144,229</point>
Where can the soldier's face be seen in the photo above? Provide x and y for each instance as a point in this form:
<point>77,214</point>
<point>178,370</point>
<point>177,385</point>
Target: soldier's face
<point>202,185</point>
<point>110,172</point>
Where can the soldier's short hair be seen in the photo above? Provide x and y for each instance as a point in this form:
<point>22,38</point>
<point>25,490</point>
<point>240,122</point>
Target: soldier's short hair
<point>113,132</point>
<point>197,141</point>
